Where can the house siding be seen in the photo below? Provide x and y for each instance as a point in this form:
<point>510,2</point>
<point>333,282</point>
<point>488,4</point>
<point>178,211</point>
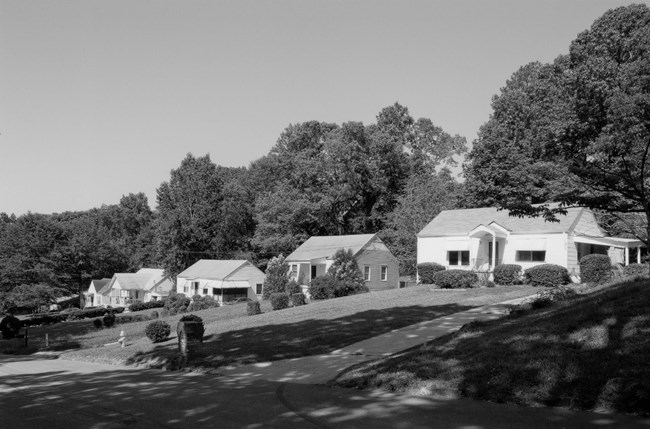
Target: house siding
<point>375,255</point>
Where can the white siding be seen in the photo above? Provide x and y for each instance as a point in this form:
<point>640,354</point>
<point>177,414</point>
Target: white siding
<point>556,251</point>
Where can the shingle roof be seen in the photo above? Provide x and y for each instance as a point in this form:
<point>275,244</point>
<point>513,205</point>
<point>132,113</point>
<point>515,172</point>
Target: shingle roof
<point>460,222</point>
<point>212,269</point>
<point>319,247</point>
<point>144,279</point>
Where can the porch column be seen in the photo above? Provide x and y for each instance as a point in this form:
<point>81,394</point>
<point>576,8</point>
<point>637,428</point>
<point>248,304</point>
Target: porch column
<point>494,252</point>
<point>627,256</point>
<point>638,254</point>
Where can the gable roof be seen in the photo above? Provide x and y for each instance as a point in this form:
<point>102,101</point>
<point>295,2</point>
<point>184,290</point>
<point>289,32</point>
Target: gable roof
<point>461,222</point>
<point>97,284</point>
<point>319,247</point>
<point>144,279</point>
<point>213,269</point>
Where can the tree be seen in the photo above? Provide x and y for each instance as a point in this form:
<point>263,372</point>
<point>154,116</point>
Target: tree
<point>277,276</point>
<point>189,207</point>
<point>586,139</point>
<point>345,270</point>
<point>33,297</point>
<point>425,196</point>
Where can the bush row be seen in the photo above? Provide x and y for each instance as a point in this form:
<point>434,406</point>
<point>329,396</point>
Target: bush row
<point>427,270</point>
<point>455,279</point>
<point>328,287</point>
<point>139,306</point>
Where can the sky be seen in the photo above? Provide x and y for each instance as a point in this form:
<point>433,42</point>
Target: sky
<point>99,99</point>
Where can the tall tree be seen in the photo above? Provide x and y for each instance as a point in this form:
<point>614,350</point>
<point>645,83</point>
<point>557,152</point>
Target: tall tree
<point>189,208</point>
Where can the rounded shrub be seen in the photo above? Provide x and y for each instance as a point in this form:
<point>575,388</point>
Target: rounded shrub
<point>158,331</point>
<point>595,269</point>
<point>298,299</point>
<point>279,301</point>
<point>109,319</point>
<point>253,308</point>
<point>163,313</point>
<point>455,279</point>
<point>323,287</point>
<point>549,275</point>
<point>97,323</point>
<point>10,327</point>
<point>182,309</point>
<point>634,270</point>
<point>507,274</point>
<point>293,287</point>
<point>154,314</point>
<point>426,271</point>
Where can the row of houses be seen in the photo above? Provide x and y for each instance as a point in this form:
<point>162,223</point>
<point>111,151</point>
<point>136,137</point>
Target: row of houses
<point>470,239</point>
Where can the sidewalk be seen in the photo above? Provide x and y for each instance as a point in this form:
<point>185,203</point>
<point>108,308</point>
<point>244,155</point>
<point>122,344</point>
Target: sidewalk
<point>322,368</point>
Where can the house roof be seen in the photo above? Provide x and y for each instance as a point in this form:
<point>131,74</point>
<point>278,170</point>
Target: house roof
<point>144,279</point>
<point>212,269</point>
<point>461,222</point>
<point>97,284</point>
<point>319,247</point>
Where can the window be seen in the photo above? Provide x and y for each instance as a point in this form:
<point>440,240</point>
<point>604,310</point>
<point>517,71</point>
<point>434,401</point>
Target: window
<point>216,291</point>
<point>384,273</point>
<point>258,289</point>
<point>195,288</point>
<point>531,255</point>
<point>185,289</point>
<point>205,291</point>
<point>294,270</point>
<point>458,257</point>
<point>366,273</point>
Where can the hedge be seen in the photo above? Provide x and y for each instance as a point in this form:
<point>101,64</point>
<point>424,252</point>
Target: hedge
<point>595,269</point>
<point>427,270</point>
<point>323,287</point>
<point>139,306</point>
<point>298,299</point>
<point>634,270</point>
<point>455,279</point>
<point>549,275</point>
<point>253,308</point>
<point>279,301</point>
<point>507,274</point>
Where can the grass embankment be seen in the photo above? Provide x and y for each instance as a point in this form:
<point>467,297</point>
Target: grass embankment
<point>589,352</point>
<point>232,337</point>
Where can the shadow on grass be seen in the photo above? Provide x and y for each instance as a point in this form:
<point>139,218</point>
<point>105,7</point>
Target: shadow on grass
<point>590,352</point>
<point>292,340</point>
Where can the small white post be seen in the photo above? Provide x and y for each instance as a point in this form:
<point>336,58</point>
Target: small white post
<point>638,254</point>
<point>627,256</point>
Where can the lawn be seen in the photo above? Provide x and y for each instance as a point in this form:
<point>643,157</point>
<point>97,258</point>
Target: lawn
<point>589,352</point>
<point>232,337</point>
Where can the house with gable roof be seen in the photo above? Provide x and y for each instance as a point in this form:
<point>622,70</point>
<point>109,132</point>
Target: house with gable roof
<point>92,298</point>
<point>480,239</point>
<point>314,257</point>
<point>224,280</point>
<point>123,289</point>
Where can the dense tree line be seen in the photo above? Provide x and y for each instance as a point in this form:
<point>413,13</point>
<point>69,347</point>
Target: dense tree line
<point>575,131</point>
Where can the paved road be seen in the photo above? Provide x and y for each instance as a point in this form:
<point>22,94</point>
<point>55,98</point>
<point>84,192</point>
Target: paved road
<point>36,392</point>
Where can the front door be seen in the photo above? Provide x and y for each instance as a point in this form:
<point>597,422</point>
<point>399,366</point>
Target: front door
<point>313,271</point>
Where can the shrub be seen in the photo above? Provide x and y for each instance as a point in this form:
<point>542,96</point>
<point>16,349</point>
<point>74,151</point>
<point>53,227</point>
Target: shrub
<point>202,303</point>
<point>176,301</point>
<point>173,311</point>
<point>154,314</point>
<point>277,277</point>
<point>346,271</point>
<point>139,306</point>
<point>200,329</point>
<point>253,308</point>
<point>549,275</point>
<point>97,323</point>
<point>507,274</point>
<point>595,269</point>
<point>426,270</point>
<point>298,299</point>
<point>10,327</point>
<point>164,313</point>
<point>279,301</point>
<point>293,287</point>
<point>158,331</point>
<point>548,297</point>
<point>455,279</point>
<point>109,320</point>
<point>323,287</point>
<point>634,270</point>
<point>46,319</point>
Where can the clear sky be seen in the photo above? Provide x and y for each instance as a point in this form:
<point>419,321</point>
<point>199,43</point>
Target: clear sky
<point>99,99</point>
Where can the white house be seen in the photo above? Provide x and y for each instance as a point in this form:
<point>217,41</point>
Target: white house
<point>224,280</point>
<point>480,239</point>
<point>148,284</point>
<point>92,298</point>
<point>314,257</point>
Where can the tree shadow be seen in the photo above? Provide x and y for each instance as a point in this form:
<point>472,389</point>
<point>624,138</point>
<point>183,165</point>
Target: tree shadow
<point>292,340</point>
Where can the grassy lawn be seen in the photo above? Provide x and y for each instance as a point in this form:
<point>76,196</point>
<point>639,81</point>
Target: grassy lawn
<point>232,337</point>
<point>590,352</point>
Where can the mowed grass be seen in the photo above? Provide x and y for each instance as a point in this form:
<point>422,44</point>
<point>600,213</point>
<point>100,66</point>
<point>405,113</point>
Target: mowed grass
<point>232,337</point>
<point>590,352</point>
